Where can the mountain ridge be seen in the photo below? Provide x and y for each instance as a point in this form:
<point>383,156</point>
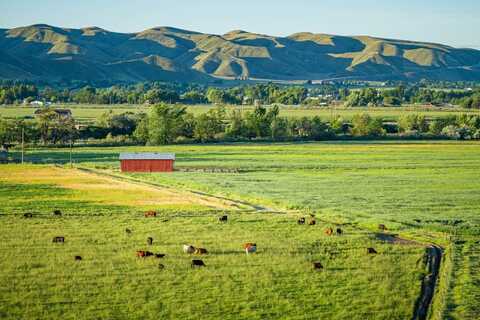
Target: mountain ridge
<point>49,53</point>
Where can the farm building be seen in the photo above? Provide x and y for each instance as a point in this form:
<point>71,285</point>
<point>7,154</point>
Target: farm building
<point>147,162</point>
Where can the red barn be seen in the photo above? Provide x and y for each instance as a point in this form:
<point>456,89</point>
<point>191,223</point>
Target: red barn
<point>147,162</point>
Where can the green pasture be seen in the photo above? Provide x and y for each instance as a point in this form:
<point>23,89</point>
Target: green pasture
<point>41,279</point>
<point>426,191</point>
<point>88,113</point>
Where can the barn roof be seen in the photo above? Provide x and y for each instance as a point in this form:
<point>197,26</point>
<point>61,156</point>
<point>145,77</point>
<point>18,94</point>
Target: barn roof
<point>147,156</point>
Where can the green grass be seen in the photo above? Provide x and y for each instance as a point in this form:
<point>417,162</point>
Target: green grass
<point>422,190</point>
<point>40,279</point>
<point>88,113</point>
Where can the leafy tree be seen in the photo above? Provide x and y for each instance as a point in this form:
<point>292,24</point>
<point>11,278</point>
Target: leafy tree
<point>365,125</point>
<point>236,126</point>
<point>209,124</point>
<point>412,122</point>
<point>54,127</point>
<point>165,123</point>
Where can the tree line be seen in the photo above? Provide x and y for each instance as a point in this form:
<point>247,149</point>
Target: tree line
<point>167,124</point>
<point>267,94</point>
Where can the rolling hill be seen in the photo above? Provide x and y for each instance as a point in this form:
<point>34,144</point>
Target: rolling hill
<point>43,52</point>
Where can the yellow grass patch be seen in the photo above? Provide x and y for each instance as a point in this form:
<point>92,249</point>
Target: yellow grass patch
<point>106,190</point>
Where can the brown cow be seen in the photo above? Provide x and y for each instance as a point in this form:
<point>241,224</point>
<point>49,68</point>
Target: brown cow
<point>57,213</point>
<point>317,265</point>
<point>312,222</point>
<point>339,231</point>
<point>329,231</point>
<point>371,251</point>
<point>250,247</point>
<point>301,220</point>
<point>58,240</point>
<point>150,214</point>
<point>144,254</point>
<point>149,241</point>
<point>197,263</point>
<point>200,251</point>
<point>223,219</point>
<point>382,227</point>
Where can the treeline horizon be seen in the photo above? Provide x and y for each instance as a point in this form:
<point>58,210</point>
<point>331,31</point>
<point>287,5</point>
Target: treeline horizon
<point>351,95</point>
<point>173,124</point>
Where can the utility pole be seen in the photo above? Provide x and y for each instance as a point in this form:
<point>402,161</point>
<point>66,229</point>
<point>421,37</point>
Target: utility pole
<point>71,158</point>
<point>23,143</point>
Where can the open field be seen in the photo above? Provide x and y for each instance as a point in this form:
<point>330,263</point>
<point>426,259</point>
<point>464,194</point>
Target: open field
<point>43,280</point>
<point>88,113</point>
<point>427,191</point>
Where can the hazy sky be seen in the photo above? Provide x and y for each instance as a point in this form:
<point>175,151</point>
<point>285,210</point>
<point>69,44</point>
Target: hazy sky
<point>454,22</point>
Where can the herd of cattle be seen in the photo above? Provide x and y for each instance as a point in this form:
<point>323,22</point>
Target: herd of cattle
<point>248,247</point>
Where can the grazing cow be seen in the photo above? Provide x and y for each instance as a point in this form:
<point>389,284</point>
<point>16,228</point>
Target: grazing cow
<point>201,251</point>
<point>250,247</point>
<point>301,220</point>
<point>150,214</point>
<point>58,240</point>
<point>149,241</point>
<point>197,263</point>
<point>28,215</point>
<point>317,265</point>
<point>312,222</point>
<point>417,220</point>
<point>339,231</point>
<point>161,266</point>
<point>160,255</point>
<point>78,258</point>
<point>371,251</point>
<point>128,231</point>
<point>57,213</point>
<point>329,231</point>
<point>188,249</point>
<point>382,227</point>
<point>144,254</point>
<point>223,219</point>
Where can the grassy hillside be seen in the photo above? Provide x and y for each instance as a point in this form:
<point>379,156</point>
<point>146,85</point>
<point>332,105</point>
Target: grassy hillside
<point>52,53</point>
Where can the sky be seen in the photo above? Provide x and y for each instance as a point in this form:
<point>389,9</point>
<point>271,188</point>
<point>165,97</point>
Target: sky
<point>452,22</point>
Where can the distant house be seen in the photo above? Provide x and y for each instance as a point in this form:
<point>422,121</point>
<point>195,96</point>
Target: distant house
<point>61,113</point>
<point>147,162</point>
<point>38,104</point>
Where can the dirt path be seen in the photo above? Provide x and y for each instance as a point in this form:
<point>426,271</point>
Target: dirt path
<point>432,260</point>
<point>433,256</point>
<point>201,197</point>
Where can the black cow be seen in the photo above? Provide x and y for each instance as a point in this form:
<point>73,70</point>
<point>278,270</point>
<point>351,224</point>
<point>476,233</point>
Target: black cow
<point>78,258</point>
<point>339,231</point>
<point>160,255</point>
<point>223,219</point>
<point>57,213</point>
<point>197,263</point>
<point>317,265</point>
<point>150,241</point>
<point>28,215</point>
<point>371,251</point>
<point>58,240</point>
<point>301,220</point>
